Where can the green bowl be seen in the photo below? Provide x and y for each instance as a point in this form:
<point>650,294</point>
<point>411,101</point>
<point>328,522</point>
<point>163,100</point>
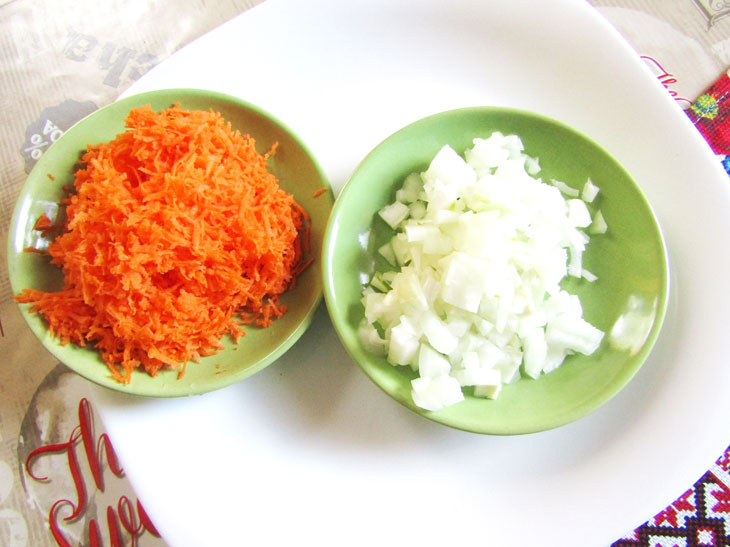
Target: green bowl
<point>630,261</point>
<point>298,173</point>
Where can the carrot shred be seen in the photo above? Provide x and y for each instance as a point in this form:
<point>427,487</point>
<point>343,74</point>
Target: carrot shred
<point>43,222</point>
<point>307,237</point>
<point>176,235</point>
<point>319,192</point>
<point>51,177</point>
<point>46,227</point>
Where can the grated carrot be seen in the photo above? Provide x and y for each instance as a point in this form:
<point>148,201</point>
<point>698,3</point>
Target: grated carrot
<point>34,250</point>
<point>318,192</point>
<point>176,235</point>
<point>43,222</point>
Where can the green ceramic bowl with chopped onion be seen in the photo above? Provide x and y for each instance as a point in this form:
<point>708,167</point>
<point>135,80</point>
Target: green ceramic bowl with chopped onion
<point>629,262</point>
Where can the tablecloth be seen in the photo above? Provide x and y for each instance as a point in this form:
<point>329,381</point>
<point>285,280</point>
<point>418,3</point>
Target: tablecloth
<point>60,483</point>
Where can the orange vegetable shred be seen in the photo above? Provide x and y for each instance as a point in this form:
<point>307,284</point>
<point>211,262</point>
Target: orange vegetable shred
<point>43,222</point>
<point>176,235</point>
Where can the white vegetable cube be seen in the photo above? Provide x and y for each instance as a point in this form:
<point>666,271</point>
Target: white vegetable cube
<point>418,233</point>
<point>431,287</point>
<point>394,213</point>
<point>483,326</point>
<point>532,166</point>
<point>589,192</point>
<point>631,329</point>
<point>487,153</point>
<point>437,333</point>
<point>377,282</point>
<point>463,296</point>
<point>462,281</point>
<point>573,332</point>
<point>578,213</point>
<point>503,310</point>
<point>407,287</point>
<point>519,307</point>
<point>552,268</point>
<point>473,233</point>
<point>457,325</point>
<point>411,190</point>
<point>510,371</point>
<point>404,343</point>
<point>464,356</point>
<point>436,393</point>
<point>440,196</point>
<point>431,363</point>
<point>370,338</point>
<point>450,168</point>
<point>574,304</point>
<point>478,377</point>
<point>439,244</point>
<point>575,264</point>
<point>490,355</point>
<point>599,225</point>
<point>545,237</point>
<point>373,302</point>
<point>470,360</point>
<point>535,352</point>
<point>489,391</point>
<point>401,248</point>
<point>417,210</point>
<point>531,320</point>
<point>555,357</point>
<point>383,308</point>
<point>513,143</point>
<point>512,172</point>
<point>386,251</point>
<point>577,238</point>
<point>548,202</point>
<point>566,189</point>
<point>388,276</point>
<point>441,217</point>
<point>418,259</point>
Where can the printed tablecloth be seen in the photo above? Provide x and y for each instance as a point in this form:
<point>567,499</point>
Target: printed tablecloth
<point>60,483</point>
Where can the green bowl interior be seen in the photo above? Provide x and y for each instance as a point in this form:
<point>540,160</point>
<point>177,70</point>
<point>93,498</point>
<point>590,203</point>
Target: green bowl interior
<point>298,173</point>
<point>630,261</point>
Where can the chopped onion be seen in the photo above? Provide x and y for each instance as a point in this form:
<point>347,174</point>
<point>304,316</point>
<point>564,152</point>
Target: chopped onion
<point>566,189</point>
<point>598,226</point>
<point>481,245</point>
<point>394,214</point>
<point>589,192</point>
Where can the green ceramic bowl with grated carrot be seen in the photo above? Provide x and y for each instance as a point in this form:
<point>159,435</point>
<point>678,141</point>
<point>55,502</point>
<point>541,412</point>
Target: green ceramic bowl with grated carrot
<point>166,245</point>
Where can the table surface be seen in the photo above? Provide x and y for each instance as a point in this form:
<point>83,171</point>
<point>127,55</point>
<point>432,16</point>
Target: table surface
<point>683,43</point>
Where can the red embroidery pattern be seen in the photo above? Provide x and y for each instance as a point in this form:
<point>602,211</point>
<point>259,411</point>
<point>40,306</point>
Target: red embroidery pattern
<point>710,114</point>
<point>701,516</point>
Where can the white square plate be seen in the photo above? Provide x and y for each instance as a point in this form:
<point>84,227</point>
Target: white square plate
<point>310,449</point>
